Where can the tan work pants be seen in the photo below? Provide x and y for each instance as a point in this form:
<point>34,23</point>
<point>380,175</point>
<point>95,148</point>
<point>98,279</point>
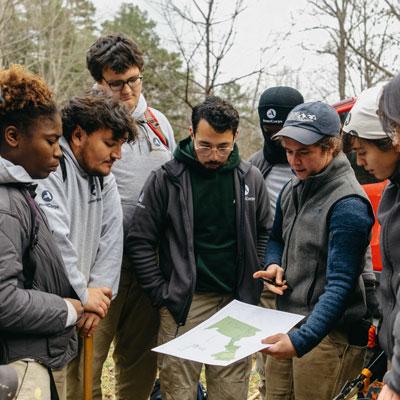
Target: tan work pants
<point>267,300</point>
<point>320,374</point>
<point>133,324</point>
<point>179,377</point>
<point>33,380</point>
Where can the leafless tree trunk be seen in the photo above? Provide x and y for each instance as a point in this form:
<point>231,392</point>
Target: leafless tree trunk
<point>361,40</point>
<point>213,37</point>
<point>340,12</point>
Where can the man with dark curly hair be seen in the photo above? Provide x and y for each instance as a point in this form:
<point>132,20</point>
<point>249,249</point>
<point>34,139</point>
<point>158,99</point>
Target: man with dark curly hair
<point>197,236</point>
<point>82,204</point>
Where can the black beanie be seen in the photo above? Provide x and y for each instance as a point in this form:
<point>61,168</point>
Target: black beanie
<point>273,108</point>
<point>276,103</point>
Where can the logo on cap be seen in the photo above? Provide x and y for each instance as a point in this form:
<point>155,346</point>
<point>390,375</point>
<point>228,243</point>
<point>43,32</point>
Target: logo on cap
<point>47,196</point>
<point>302,116</point>
<point>156,142</point>
<point>271,113</point>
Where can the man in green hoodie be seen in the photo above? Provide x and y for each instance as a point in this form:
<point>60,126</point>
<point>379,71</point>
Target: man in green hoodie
<point>198,233</point>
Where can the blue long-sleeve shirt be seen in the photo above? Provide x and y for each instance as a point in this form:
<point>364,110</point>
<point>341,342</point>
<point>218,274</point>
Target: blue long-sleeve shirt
<point>349,227</point>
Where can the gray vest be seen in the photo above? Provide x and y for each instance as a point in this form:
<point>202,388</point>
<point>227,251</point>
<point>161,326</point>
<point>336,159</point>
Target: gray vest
<point>306,207</point>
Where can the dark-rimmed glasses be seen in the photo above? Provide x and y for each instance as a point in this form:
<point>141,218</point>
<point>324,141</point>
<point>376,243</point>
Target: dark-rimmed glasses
<point>206,150</point>
<point>118,85</point>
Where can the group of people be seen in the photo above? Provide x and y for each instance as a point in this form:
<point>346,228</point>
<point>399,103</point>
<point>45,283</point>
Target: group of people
<point>109,228</point>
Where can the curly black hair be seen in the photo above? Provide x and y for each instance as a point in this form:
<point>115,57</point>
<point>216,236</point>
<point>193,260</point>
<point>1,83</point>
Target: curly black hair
<point>220,114</point>
<point>115,51</point>
<point>94,112</point>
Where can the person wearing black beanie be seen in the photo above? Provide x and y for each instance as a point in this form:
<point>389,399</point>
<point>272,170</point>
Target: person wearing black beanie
<point>273,108</point>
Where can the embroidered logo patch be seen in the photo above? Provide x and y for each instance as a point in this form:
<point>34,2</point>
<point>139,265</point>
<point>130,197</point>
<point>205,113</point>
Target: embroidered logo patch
<point>47,196</point>
<point>271,113</point>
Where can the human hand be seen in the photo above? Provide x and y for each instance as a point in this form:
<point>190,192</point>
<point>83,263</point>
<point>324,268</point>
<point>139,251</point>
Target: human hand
<point>99,300</point>
<point>88,324</point>
<point>282,347</point>
<point>275,273</point>
<point>77,305</point>
<point>388,394</point>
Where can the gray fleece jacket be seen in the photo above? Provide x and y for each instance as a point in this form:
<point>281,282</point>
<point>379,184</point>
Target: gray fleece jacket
<point>33,280</point>
<point>138,159</point>
<point>86,219</point>
<point>389,288</point>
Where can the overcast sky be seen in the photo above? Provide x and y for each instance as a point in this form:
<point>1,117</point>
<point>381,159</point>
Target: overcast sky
<point>262,24</point>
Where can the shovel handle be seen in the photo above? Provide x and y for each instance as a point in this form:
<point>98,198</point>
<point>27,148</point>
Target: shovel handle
<point>87,367</point>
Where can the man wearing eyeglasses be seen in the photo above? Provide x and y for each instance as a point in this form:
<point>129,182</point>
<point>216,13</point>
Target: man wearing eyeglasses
<point>116,64</point>
<point>197,234</point>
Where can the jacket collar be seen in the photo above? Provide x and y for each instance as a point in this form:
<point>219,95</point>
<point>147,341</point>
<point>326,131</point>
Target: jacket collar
<point>175,168</point>
<point>338,167</point>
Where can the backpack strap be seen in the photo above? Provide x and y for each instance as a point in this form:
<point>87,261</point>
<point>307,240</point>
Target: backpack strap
<point>154,125</point>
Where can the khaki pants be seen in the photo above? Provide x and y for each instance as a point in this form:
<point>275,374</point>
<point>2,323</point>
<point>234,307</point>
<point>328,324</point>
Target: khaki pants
<point>179,377</point>
<point>60,379</point>
<point>33,380</point>
<point>267,300</point>
<point>320,374</point>
<point>133,324</point>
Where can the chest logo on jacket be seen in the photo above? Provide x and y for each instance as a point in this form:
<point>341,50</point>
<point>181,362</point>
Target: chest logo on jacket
<point>246,192</point>
<point>47,196</point>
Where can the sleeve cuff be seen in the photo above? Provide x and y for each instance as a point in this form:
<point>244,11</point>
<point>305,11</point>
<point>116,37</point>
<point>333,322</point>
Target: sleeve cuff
<point>390,380</point>
<point>72,316</point>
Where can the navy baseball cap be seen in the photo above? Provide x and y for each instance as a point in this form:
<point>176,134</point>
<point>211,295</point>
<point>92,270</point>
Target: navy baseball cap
<point>309,122</point>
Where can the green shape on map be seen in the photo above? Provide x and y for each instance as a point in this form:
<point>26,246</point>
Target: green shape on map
<point>235,330</point>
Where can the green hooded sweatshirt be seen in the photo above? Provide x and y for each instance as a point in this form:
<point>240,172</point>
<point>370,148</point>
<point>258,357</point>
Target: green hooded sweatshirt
<point>214,214</point>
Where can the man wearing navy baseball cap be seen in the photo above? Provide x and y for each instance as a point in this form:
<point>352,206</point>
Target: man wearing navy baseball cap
<point>315,256</point>
<point>274,107</point>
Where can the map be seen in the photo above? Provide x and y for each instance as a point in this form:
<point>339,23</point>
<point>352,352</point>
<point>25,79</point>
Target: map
<point>234,332</point>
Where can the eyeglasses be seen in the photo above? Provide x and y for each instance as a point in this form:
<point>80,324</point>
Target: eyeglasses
<point>206,150</point>
<point>117,86</point>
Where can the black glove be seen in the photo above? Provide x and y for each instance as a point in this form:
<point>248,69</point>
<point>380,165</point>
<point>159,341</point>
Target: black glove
<point>373,308</point>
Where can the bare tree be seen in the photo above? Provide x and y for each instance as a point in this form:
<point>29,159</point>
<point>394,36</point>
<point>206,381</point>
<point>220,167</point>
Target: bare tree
<point>340,11</point>
<point>371,43</point>
<point>360,39</point>
<point>212,36</point>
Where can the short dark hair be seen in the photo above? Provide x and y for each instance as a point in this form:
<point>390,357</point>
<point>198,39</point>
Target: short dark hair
<point>384,144</point>
<point>24,97</point>
<point>220,114</point>
<point>92,113</point>
<point>115,51</point>
<point>389,106</point>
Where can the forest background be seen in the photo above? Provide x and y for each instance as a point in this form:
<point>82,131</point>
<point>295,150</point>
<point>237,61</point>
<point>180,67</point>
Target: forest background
<point>329,49</point>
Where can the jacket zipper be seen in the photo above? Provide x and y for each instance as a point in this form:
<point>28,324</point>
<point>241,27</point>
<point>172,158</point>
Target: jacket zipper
<point>241,232</point>
<point>185,310</point>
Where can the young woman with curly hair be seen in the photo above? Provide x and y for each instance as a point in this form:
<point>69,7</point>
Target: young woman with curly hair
<point>37,309</point>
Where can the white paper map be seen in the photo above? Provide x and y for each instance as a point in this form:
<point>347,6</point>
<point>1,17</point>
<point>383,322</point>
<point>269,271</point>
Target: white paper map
<point>232,333</point>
